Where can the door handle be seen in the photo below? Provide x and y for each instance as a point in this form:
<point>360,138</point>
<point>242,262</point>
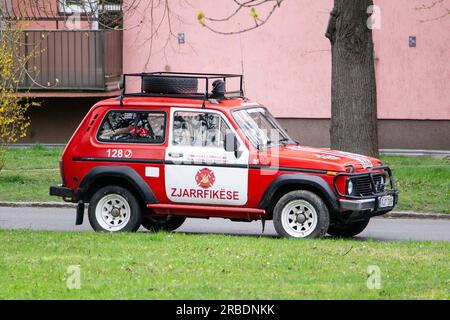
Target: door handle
<point>175,155</point>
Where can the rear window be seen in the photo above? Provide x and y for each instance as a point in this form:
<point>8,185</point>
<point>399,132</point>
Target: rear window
<point>133,127</point>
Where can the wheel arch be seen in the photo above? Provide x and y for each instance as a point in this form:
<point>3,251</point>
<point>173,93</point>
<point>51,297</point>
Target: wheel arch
<point>123,176</point>
<point>290,182</point>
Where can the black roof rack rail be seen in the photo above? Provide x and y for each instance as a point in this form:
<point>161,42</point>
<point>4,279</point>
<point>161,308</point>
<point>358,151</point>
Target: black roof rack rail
<point>209,78</point>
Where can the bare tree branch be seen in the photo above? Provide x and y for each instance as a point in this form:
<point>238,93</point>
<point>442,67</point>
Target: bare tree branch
<point>432,6</point>
<point>252,4</point>
<point>429,6</point>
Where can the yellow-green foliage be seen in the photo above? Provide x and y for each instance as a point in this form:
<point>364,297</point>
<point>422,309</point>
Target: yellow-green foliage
<point>13,119</point>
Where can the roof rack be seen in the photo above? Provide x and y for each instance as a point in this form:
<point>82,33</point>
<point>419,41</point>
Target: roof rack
<point>208,79</point>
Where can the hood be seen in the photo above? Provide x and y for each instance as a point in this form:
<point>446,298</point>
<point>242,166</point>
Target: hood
<point>321,159</point>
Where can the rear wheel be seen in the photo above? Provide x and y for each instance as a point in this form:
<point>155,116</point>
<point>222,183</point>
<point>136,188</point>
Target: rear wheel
<point>114,209</point>
<point>301,214</point>
<point>169,223</point>
<point>348,230</point>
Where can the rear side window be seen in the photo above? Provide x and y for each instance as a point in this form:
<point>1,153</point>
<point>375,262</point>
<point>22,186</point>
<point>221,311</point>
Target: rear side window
<point>133,127</point>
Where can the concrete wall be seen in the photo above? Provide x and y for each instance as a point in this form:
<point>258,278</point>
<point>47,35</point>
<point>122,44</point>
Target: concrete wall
<point>56,120</point>
<point>392,134</point>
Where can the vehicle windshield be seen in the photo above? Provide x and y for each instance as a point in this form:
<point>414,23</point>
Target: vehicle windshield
<point>261,128</point>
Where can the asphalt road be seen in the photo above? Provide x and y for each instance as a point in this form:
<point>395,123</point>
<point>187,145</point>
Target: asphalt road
<point>378,229</point>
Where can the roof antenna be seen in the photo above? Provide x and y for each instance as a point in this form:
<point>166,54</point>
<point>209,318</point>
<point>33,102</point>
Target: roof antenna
<point>121,85</point>
<point>242,60</point>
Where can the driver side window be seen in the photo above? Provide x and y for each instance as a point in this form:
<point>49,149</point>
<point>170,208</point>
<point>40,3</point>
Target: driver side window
<point>200,129</point>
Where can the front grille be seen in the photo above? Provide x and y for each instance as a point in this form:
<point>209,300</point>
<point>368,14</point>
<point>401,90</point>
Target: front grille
<point>363,187</point>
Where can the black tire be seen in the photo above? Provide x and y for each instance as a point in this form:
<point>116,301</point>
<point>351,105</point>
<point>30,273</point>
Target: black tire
<point>134,214</point>
<point>169,223</point>
<point>347,230</point>
<point>320,212</point>
<point>169,85</point>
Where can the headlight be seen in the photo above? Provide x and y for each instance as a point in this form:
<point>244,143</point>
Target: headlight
<point>349,169</point>
<point>349,187</point>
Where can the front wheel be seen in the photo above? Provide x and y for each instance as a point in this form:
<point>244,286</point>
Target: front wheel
<point>301,214</point>
<point>114,209</point>
<point>348,230</point>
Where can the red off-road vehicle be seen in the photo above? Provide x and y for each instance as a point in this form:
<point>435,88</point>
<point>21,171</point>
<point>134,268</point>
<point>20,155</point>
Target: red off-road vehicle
<point>164,151</point>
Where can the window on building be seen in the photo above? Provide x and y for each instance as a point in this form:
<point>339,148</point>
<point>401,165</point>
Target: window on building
<point>133,127</point>
<point>72,6</point>
<point>199,129</point>
<point>85,6</point>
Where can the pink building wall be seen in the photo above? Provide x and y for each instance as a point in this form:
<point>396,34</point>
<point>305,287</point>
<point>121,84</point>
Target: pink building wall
<point>287,62</point>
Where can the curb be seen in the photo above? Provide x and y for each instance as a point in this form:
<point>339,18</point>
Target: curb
<point>60,205</point>
<point>416,215</point>
<point>391,215</point>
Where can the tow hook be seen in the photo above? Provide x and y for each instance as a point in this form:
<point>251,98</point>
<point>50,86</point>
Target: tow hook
<point>80,213</point>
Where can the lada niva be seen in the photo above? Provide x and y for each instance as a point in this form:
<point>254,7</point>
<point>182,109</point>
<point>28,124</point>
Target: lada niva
<point>163,151</point>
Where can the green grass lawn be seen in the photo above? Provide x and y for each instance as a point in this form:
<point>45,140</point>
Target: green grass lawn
<point>424,182</point>
<point>28,174</point>
<point>34,265</point>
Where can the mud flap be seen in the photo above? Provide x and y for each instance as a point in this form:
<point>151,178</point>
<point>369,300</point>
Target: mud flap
<point>263,221</point>
<point>80,213</point>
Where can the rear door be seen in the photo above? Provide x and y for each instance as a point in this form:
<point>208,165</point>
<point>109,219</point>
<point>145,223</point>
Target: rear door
<point>198,169</point>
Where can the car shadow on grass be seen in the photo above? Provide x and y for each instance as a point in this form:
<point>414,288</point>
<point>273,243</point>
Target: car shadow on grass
<point>274,236</point>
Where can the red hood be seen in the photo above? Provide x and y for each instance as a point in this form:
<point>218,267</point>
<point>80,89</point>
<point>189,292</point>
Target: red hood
<point>320,159</point>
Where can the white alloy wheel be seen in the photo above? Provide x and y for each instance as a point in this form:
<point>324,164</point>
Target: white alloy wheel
<point>299,218</point>
<point>113,212</point>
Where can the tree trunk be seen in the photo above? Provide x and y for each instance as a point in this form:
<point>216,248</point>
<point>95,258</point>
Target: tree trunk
<point>353,97</point>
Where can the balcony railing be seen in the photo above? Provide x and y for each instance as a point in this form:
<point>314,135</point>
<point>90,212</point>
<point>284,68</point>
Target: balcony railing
<point>76,60</point>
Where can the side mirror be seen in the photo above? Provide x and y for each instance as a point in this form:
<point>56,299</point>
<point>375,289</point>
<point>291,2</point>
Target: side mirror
<point>232,145</point>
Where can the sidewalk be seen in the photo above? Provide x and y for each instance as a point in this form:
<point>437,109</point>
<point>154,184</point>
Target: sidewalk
<point>391,215</point>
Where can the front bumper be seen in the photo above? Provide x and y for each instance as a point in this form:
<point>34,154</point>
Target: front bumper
<point>370,203</point>
<point>357,205</point>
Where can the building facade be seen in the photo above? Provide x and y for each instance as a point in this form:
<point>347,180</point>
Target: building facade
<point>286,64</point>
<point>74,62</point>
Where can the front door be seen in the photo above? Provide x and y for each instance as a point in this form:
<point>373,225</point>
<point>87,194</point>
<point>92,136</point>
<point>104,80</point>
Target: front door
<point>198,169</point>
